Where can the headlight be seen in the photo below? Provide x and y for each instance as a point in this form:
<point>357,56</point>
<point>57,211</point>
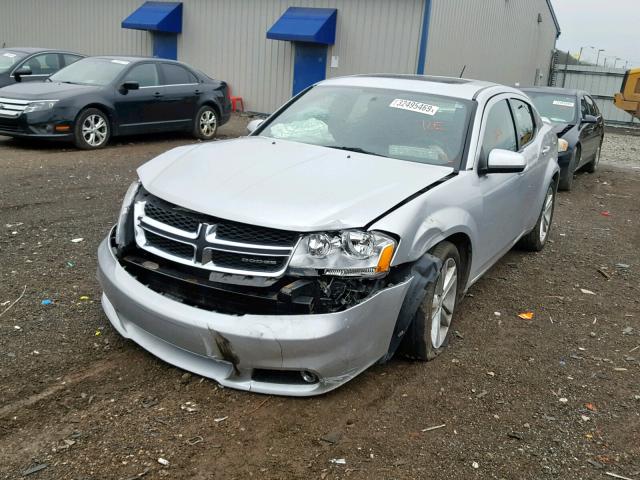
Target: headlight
<point>121,228</point>
<point>563,145</point>
<point>352,253</point>
<point>40,105</point>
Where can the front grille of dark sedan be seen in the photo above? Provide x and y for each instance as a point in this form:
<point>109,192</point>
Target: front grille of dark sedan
<point>9,125</point>
<point>210,243</point>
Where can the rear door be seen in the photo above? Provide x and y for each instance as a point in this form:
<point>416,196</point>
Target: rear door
<point>181,92</point>
<point>140,111</point>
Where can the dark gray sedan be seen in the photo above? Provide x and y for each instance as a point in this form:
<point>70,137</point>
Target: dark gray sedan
<point>32,64</point>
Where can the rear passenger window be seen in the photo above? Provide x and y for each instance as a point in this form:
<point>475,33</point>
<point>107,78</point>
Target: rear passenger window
<point>525,125</point>
<point>499,131</point>
<point>176,75</point>
<point>146,75</point>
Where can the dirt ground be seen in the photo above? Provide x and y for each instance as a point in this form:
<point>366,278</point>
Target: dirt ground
<point>557,396</point>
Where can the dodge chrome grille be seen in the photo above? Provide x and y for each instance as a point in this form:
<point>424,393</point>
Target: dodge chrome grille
<point>198,240</point>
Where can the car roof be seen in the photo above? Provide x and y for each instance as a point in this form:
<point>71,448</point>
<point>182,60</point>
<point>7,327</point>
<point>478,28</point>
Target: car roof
<point>463,88</point>
<point>134,59</point>
<point>28,49</point>
<point>557,90</point>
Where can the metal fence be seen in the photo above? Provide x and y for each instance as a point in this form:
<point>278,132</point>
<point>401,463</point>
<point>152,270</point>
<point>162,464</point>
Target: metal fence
<point>602,83</point>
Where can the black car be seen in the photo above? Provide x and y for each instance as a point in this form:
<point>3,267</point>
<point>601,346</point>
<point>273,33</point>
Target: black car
<point>32,64</point>
<point>578,121</point>
<point>99,97</point>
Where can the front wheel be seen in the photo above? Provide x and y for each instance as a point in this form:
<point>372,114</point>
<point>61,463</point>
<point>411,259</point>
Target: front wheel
<point>593,164</point>
<point>429,331</point>
<point>536,239</point>
<point>92,129</point>
<point>206,123</point>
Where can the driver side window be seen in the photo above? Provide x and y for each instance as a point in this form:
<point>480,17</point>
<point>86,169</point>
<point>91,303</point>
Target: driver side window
<point>499,131</point>
<point>146,75</point>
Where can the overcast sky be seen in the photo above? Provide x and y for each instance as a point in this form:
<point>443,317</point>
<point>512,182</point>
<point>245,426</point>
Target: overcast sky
<point>610,24</point>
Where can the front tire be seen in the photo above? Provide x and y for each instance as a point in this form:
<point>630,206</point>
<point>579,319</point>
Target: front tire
<point>537,238</point>
<point>429,332</point>
<point>206,123</point>
<point>566,180</point>
<point>593,164</point>
<point>92,129</point>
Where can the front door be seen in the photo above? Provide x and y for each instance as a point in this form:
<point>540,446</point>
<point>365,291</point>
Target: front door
<point>140,111</point>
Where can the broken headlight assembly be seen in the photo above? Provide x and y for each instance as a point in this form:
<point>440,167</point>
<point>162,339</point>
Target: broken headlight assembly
<point>124,232</point>
<point>351,253</point>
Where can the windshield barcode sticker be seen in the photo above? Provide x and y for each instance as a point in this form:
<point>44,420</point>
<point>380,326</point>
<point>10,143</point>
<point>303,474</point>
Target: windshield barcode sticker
<point>560,103</point>
<point>412,106</point>
<point>10,55</point>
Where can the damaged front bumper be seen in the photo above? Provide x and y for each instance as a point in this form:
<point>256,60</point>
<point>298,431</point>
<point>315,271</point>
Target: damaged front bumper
<point>299,355</point>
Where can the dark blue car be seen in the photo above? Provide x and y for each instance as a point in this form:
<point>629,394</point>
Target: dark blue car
<point>577,120</point>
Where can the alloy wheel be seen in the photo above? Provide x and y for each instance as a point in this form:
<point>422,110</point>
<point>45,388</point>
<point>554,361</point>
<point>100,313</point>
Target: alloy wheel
<point>208,123</point>
<point>95,130</point>
<point>547,213</point>
<point>444,302</point>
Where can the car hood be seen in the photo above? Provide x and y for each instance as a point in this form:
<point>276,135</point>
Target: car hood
<point>285,185</point>
<point>44,90</point>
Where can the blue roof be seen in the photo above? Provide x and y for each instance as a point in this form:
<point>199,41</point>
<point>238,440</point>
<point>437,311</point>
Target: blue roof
<point>313,25</point>
<point>156,16</point>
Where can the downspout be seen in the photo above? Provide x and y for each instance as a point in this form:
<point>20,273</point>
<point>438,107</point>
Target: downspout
<point>424,37</point>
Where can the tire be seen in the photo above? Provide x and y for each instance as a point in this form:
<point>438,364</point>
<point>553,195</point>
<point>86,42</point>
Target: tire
<point>425,339</point>
<point>205,125</point>
<point>593,164</point>
<point>92,129</point>
<point>536,239</point>
<point>566,181</point>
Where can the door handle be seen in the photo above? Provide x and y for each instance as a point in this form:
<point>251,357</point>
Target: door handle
<point>546,149</point>
<point>157,95</point>
<point>197,92</point>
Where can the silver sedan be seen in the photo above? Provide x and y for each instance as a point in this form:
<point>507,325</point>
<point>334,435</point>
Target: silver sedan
<point>344,229</point>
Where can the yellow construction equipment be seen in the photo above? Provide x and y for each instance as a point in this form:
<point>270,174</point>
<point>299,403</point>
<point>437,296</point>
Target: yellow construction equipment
<point>629,97</point>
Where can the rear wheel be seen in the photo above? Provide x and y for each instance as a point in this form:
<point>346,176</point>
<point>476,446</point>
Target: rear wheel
<point>593,164</point>
<point>429,331</point>
<point>206,123</point>
<point>536,239</point>
<point>92,129</point>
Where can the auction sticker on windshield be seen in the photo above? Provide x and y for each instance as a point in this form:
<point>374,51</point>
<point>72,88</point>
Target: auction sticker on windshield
<point>10,55</point>
<point>412,106</point>
<point>560,103</point>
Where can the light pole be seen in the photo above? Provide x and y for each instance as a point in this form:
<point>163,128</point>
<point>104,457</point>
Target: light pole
<point>581,49</point>
<point>616,61</point>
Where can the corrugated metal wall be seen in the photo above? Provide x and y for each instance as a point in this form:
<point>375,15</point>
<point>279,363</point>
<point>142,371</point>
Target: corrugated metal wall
<point>498,40</point>
<point>227,39</point>
<point>91,27</point>
<point>601,83</point>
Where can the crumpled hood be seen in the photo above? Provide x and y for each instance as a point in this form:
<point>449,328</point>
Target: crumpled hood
<point>561,128</point>
<point>285,185</point>
<point>45,90</point>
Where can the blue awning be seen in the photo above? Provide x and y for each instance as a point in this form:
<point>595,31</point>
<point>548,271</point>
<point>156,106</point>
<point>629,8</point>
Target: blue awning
<point>313,25</point>
<point>156,16</point>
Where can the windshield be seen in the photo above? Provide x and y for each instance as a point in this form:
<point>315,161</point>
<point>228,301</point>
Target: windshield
<point>91,71</point>
<point>411,126</point>
<point>8,59</point>
<point>557,108</point>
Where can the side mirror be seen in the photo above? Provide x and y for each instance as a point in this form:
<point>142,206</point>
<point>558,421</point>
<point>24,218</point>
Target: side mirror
<point>590,119</point>
<point>22,71</point>
<point>505,161</point>
<point>254,124</point>
<point>126,86</point>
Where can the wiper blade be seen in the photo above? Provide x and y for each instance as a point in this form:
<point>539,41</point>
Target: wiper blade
<point>356,149</point>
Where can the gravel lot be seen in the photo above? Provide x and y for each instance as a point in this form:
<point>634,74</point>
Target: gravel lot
<point>554,397</point>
